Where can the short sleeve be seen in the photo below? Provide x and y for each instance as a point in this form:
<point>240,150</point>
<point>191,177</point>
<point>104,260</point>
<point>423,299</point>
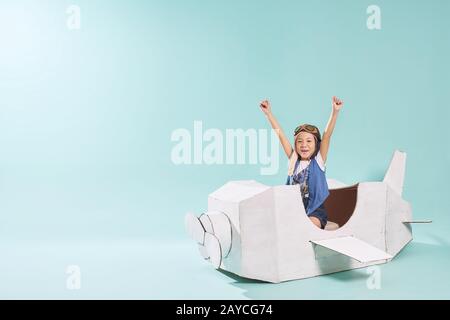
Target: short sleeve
<point>320,161</point>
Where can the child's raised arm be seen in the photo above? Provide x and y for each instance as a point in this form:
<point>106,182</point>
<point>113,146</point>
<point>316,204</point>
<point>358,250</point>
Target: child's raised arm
<point>266,108</point>
<point>326,137</point>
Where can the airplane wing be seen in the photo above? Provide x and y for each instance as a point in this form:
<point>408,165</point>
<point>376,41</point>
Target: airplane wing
<point>417,221</point>
<point>353,248</point>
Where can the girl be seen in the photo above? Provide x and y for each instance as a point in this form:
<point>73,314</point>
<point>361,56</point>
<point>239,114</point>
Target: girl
<point>307,160</point>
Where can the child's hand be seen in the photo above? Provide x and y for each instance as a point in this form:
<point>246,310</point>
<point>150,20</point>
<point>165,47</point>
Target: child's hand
<point>265,107</point>
<point>337,104</point>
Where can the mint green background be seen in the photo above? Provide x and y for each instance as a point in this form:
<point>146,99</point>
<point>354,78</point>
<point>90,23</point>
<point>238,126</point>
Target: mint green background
<point>86,116</point>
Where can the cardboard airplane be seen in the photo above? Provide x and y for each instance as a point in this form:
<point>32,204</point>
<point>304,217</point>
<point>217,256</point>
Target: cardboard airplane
<point>262,232</point>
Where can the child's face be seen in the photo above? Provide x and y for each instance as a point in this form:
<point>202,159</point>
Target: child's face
<point>305,145</point>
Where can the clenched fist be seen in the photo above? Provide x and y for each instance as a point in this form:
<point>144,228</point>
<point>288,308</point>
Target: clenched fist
<point>337,104</point>
<point>265,107</point>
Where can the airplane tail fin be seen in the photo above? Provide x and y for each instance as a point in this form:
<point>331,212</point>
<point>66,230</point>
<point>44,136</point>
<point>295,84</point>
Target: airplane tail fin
<point>395,174</point>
